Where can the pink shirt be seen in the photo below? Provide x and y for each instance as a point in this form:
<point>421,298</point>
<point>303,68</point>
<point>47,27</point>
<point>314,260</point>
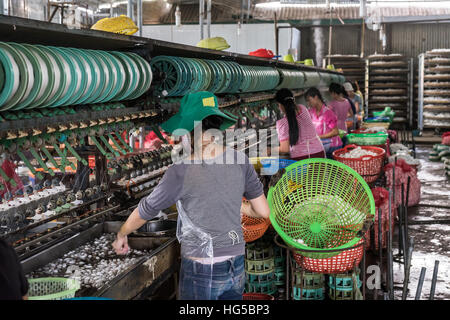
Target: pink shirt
<point>340,108</point>
<point>308,141</point>
<point>325,122</point>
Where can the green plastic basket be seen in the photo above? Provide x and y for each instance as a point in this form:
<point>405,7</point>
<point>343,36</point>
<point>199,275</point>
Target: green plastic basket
<point>367,139</point>
<point>52,288</point>
<point>386,113</point>
<point>320,205</point>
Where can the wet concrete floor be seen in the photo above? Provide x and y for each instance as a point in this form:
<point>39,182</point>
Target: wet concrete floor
<point>431,240</point>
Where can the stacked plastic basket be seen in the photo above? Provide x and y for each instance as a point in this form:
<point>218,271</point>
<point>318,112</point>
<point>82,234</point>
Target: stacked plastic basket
<point>345,286</point>
<point>260,267</point>
<point>320,208</point>
<point>307,285</point>
<point>280,266</point>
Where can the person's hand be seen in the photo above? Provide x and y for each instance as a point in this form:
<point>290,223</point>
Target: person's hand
<point>121,244</point>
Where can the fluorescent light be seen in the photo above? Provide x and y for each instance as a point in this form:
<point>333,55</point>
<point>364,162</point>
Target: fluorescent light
<point>278,4</point>
<point>372,4</point>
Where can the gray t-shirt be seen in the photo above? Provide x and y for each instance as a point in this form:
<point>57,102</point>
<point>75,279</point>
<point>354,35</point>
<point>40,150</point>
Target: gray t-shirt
<point>211,197</point>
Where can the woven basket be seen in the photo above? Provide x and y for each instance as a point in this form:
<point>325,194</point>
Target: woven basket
<point>52,288</point>
<point>368,167</point>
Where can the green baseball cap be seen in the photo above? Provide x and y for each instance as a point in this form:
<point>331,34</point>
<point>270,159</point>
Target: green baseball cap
<point>196,107</point>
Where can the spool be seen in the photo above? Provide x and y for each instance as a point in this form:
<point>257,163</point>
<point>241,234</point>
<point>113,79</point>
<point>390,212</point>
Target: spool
<point>34,77</point>
<point>80,70</point>
<point>312,79</point>
<point>8,83</point>
<point>100,83</point>
<point>91,76</point>
<point>57,71</point>
<point>19,74</point>
<point>71,76</point>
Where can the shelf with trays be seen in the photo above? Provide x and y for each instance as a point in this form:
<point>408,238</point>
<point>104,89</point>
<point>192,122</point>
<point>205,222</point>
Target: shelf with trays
<point>389,84</point>
<point>434,89</point>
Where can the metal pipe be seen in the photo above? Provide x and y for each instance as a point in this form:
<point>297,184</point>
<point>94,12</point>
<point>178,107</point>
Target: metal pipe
<point>130,9</point>
<point>390,260</point>
<point>420,284</point>
<point>241,19</point>
<point>249,4</point>
<point>208,17</point>
<point>287,273</point>
<point>405,215</point>
<point>390,271</point>
<point>139,16</point>
<point>433,281</point>
<point>440,221</point>
<point>363,34</point>
<point>363,271</point>
<point>400,224</point>
<point>201,13</point>
<point>372,238</point>
<point>330,33</point>
<point>275,20</point>
<point>407,268</point>
<point>380,242</point>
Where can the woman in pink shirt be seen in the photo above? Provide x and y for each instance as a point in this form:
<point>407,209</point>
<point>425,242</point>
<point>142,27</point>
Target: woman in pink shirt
<point>324,120</point>
<point>296,131</point>
<point>340,105</point>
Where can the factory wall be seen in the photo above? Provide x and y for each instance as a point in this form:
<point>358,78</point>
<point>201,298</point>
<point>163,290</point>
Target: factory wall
<point>249,38</point>
<point>407,39</point>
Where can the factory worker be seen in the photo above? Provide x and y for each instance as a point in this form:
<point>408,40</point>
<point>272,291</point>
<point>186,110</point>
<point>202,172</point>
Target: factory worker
<point>13,284</point>
<point>207,188</point>
<point>324,120</point>
<point>341,105</point>
<point>296,132</point>
<point>356,96</point>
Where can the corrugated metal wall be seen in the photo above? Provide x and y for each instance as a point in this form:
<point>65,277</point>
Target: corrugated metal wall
<point>413,39</point>
<point>407,39</point>
<point>345,40</point>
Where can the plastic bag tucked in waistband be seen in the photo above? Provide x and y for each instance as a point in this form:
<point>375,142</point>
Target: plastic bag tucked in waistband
<point>197,258</point>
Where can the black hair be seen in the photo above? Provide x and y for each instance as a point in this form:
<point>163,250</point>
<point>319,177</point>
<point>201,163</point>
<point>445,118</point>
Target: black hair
<point>212,122</point>
<point>354,86</point>
<point>338,89</point>
<point>286,98</point>
<point>314,92</point>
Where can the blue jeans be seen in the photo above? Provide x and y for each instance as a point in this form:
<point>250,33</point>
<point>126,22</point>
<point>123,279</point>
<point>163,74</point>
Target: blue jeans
<point>225,282</point>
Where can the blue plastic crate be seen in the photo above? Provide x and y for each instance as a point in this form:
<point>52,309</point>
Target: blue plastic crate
<point>272,165</point>
<point>308,294</point>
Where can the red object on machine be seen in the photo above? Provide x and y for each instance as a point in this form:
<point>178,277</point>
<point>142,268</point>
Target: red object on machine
<point>446,138</point>
<point>10,169</point>
<point>381,197</point>
<point>402,172</point>
<point>369,167</point>
<point>344,261</point>
<point>257,296</point>
<point>262,53</point>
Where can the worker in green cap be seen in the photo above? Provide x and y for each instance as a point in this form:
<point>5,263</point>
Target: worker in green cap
<point>208,191</point>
